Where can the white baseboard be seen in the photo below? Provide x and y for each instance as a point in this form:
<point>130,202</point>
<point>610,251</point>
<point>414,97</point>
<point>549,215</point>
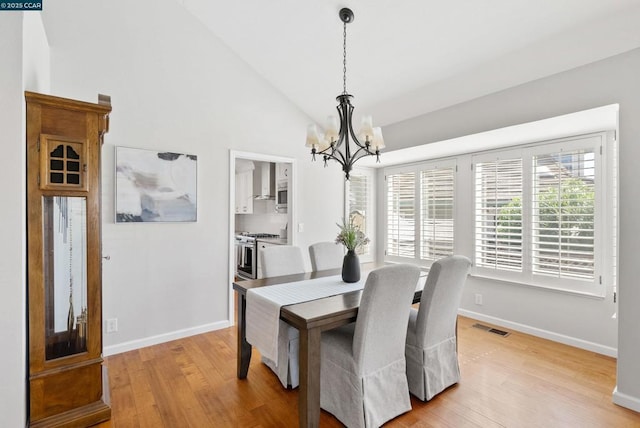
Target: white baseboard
<point>545,334</point>
<point>161,338</point>
<point>625,400</point>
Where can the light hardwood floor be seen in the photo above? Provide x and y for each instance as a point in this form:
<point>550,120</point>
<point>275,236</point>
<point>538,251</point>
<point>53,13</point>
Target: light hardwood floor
<point>513,381</point>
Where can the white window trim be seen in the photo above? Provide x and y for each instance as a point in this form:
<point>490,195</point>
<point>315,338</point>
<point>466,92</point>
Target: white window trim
<point>603,233</point>
<point>417,168</point>
<point>464,215</point>
<point>516,153</point>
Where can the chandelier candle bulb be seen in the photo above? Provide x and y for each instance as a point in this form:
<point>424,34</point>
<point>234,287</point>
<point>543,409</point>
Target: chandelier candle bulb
<point>313,139</point>
<point>331,130</point>
<point>378,141</point>
<point>366,131</point>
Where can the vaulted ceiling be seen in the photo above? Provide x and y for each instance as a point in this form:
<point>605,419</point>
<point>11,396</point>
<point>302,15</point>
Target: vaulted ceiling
<point>404,58</point>
<point>410,57</point>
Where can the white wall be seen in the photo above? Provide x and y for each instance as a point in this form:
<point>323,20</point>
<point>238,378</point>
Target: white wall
<point>174,86</point>
<point>36,60</point>
<point>614,80</point>
<point>12,226</point>
<point>24,66</point>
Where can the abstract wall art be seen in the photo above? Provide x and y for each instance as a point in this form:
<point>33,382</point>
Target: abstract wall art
<point>155,186</point>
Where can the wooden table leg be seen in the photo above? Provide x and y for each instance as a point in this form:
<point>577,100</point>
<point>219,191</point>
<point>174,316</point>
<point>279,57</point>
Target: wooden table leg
<point>309,391</point>
<point>244,348</point>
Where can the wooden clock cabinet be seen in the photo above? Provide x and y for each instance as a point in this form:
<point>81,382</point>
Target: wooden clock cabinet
<point>67,380</point>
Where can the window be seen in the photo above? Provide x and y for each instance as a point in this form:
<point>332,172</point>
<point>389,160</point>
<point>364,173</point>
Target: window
<point>359,207</point>
<point>401,212</point>
<point>539,215</point>
<point>436,229</point>
<point>563,218</point>
<point>420,212</point>
<point>498,214</point>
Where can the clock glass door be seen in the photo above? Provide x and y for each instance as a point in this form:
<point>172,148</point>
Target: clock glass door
<point>65,275</point>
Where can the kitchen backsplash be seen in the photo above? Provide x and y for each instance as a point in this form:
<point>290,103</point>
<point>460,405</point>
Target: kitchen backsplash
<point>263,220</point>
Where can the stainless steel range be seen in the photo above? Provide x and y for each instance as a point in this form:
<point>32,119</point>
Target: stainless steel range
<point>247,253</point>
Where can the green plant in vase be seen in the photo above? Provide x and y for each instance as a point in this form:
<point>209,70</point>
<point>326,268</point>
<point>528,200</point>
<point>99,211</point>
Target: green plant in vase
<point>351,237</point>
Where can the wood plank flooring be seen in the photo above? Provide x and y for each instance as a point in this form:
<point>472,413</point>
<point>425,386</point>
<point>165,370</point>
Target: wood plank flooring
<point>513,381</point>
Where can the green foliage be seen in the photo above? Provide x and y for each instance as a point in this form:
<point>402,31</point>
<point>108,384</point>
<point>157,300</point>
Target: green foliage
<point>350,235</point>
<point>569,207</point>
<point>510,218</point>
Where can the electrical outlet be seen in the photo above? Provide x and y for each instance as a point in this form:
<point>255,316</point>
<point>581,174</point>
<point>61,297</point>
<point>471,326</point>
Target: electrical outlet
<point>301,227</point>
<point>112,325</point>
<point>478,299</point>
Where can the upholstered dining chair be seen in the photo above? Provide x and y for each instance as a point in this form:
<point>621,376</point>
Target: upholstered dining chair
<point>280,260</point>
<point>326,255</point>
<point>362,371</point>
<point>431,350</point>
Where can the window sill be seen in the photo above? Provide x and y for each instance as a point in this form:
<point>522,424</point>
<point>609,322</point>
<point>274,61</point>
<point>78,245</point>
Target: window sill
<point>543,287</point>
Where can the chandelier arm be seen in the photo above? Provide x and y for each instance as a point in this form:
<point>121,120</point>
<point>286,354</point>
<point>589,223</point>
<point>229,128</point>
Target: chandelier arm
<point>340,160</point>
<point>344,137</point>
<point>362,152</point>
<point>355,138</point>
<point>348,127</point>
<point>344,117</point>
<point>331,152</point>
<point>348,123</point>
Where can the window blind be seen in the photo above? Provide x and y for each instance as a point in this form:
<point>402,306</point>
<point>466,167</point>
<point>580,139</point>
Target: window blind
<point>436,227</point>
<point>358,205</point>
<point>401,212</point>
<point>563,214</point>
<point>498,214</point>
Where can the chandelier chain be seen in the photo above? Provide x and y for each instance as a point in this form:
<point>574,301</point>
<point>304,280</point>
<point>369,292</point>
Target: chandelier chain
<point>344,58</point>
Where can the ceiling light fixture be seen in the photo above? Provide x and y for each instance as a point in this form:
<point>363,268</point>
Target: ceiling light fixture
<point>334,144</point>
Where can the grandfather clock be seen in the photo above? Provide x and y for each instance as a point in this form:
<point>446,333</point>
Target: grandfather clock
<point>67,381</point>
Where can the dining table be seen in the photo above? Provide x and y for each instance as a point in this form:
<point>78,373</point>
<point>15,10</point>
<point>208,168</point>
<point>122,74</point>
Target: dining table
<point>311,318</point>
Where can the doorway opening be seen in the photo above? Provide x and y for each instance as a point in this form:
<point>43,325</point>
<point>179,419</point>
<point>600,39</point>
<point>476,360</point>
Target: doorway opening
<point>262,205</point>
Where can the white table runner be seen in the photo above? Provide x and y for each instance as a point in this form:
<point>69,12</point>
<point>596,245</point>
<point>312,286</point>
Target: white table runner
<point>264,303</point>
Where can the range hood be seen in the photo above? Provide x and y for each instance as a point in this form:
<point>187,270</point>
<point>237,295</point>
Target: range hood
<point>264,180</point>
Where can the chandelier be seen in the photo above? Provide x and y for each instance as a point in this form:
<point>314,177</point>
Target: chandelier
<point>334,142</point>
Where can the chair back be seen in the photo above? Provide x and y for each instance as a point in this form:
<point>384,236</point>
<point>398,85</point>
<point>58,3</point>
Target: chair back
<point>381,326</point>
<point>326,255</point>
<point>280,260</point>
<point>440,300</point>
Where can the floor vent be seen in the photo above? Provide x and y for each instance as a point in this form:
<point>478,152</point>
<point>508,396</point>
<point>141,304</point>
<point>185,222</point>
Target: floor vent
<point>499,332</point>
<point>491,330</point>
<point>482,327</point>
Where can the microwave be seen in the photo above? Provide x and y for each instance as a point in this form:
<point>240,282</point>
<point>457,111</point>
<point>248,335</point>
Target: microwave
<point>282,196</point>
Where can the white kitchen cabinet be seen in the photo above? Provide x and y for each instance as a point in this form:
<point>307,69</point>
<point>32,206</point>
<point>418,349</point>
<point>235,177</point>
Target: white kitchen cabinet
<point>282,172</point>
<point>244,192</point>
